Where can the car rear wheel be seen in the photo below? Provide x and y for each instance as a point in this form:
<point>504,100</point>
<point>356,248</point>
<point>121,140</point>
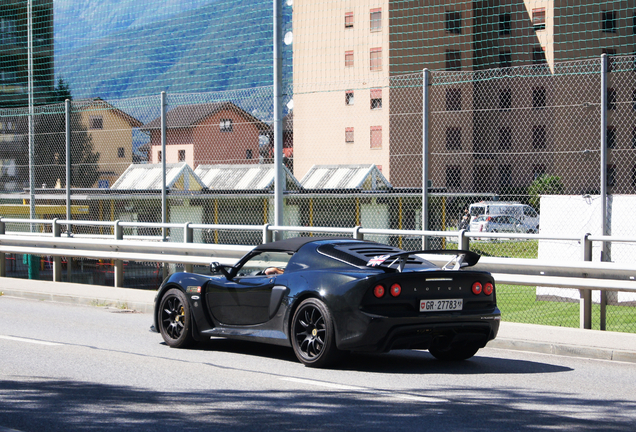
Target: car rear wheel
<point>175,320</point>
<point>454,354</point>
<point>312,334</point>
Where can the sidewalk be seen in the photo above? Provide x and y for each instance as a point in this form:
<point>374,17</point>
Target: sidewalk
<point>564,341</point>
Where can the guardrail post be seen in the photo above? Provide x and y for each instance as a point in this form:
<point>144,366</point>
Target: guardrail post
<point>463,241</point>
<point>188,237</point>
<point>57,260</point>
<point>3,257</point>
<point>268,235</point>
<point>357,234</point>
<point>585,304</point>
<point>118,264</point>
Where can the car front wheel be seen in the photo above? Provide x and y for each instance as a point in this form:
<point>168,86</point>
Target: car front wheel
<point>175,320</point>
<point>312,334</point>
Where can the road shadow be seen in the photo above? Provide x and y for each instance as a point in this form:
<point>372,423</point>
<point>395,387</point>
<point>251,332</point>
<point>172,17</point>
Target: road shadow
<point>36,405</point>
<point>394,362</point>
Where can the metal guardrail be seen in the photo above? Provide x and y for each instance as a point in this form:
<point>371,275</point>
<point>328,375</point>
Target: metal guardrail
<point>583,275</point>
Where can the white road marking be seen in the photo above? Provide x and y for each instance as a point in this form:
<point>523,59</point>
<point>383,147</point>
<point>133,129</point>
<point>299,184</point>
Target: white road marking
<point>33,341</point>
<point>392,394</point>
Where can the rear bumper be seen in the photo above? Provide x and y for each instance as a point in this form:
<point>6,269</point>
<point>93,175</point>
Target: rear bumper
<point>386,333</point>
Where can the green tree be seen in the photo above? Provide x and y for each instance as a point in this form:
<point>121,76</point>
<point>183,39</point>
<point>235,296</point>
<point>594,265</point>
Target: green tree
<point>544,185</point>
<point>50,145</point>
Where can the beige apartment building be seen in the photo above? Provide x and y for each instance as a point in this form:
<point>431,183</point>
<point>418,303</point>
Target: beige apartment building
<point>491,131</point>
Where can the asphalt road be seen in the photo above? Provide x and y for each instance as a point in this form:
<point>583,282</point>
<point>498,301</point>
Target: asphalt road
<point>66,368</point>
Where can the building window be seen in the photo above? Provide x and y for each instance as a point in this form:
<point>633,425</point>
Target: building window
<point>182,156</point>
<point>453,177</point>
<point>248,154</point>
<point>634,23</point>
<point>505,138</point>
<point>453,60</point>
<point>608,21</point>
<point>454,22</point>
<point>539,137</point>
<point>348,19</point>
<point>453,138</point>
<point>611,52</point>
<point>538,171</point>
<point>538,97</point>
<point>376,98</point>
<point>453,99</point>
<point>375,16</point>
<point>7,31</point>
<point>505,59</point>
<point>349,97</point>
<point>159,156</point>
<point>505,99</point>
<point>504,24</point>
<point>95,122</point>
<point>226,125</point>
<point>376,137</point>
<point>538,56</point>
<point>348,58</point>
<point>611,99</point>
<point>610,137</point>
<point>376,59</point>
<point>538,18</point>
<point>505,175</point>
<point>121,152</point>
<point>611,175</point>
<point>349,135</point>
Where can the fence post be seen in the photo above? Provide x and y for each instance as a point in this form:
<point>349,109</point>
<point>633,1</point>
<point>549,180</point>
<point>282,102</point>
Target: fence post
<point>463,241</point>
<point>357,234</point>
<point>425,137</point>
<point>188,237</point>
<point>119,264</point>
<point>3,258</point>
<point>585,304</point>
<point>267,234</point>
<point>57,260</point>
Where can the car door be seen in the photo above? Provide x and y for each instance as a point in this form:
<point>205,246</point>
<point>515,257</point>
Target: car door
<point>245,298</point>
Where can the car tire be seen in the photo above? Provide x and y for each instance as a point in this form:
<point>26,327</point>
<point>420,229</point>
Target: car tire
<point>454,354</point>
<point>175,319</point>
<point>312,334</point>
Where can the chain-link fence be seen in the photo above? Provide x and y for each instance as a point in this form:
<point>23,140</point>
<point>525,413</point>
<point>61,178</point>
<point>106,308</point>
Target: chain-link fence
<point>512,149</point>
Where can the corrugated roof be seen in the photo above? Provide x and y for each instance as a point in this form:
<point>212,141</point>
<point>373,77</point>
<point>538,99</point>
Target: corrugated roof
<point>179,176</point>
<point>189,115</point>
<point>243,177</point>
<point>365,177</point>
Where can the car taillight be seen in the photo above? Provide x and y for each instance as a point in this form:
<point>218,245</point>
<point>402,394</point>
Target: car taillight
<point>477,288</point>
<point>378,291</point>
<point>488,288</point>
<point>396,289</point>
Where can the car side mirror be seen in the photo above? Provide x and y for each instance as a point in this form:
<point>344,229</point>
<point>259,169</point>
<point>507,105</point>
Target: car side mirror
<point>215,267</point>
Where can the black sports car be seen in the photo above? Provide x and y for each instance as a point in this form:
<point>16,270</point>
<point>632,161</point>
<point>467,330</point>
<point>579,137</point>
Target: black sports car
<point>323,296</point>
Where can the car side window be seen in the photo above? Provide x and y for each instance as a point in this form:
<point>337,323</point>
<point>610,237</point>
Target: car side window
<point>259,263</point>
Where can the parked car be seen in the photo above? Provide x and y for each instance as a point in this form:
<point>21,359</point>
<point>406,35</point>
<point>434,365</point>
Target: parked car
<point>326,296</point>
<point>497,224</point>
<point>528,216</point>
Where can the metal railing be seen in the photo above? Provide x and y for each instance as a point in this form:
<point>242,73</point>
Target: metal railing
<point>584,275</point>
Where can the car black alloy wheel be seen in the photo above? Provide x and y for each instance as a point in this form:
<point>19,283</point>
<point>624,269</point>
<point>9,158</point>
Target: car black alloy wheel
<point>312,334</point>
<point>175,319</point>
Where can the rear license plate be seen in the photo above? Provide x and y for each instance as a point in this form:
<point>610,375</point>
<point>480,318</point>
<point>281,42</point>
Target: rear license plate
<point>441,305</point>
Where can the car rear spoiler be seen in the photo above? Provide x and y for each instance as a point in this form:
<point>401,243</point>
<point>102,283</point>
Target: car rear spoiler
<point>461,258</point>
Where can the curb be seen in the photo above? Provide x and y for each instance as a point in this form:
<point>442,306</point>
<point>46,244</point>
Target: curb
<point>564,350</point>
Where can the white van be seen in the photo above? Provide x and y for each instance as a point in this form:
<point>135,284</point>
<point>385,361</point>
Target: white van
<point>526,214</point>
